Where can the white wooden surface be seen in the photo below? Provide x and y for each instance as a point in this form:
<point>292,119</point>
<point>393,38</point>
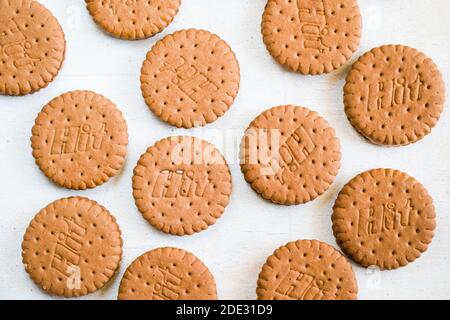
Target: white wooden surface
<point>250,229</point>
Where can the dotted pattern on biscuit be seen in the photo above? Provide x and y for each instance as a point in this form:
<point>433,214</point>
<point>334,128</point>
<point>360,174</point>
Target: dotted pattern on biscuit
<point>80,170</point>
<point>190,78</point>
<point>306,270</point>
<point>397,124</point>
<point>189,278</point>
<point>133,19</point>
<point>313,175</point>
<point>311,37</point>
<point>99,253</point>
<point>387,249</point>
<point>32,49</point>
<point>182,215</point>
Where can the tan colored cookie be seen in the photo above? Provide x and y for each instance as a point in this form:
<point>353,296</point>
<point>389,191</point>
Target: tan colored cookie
<point>72,247</point>
<point>79,140</point>
<point>307,270</point>
<point>133,19</point>
<point>190,78</point>
<point>167,274</point>
<point>290,155</point>
<point>383,217</point>
<point>32,47</point>
<point>311,36</point>
<point>181,185</point>
<point>394,95</point>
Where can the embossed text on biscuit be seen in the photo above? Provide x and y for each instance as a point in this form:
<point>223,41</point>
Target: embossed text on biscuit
<point>313,22</point>
<point>295,150</point>
<point>14,44</point>
<point>179,183</point>
<point>398,91</point>
<point>191,79</point>
<point>264,149</point>
<point>297,286</point>
<point>386,217</point>
<point>167,286</point>
<point>76,139</point>
<point>277,158</point>
<point>67,251</point>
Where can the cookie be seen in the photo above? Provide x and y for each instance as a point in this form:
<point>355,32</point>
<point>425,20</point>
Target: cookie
<point>311,36</point>
<point>306,270</point>
<point>167,274</point>
<point>133,19</point>
<point>72,247</point>
<point>182,185</point>
<point>383,218</point>
<point>79,140</point>
<point>32,47</point>
<point>290,155</point>
<point>394,95</point>
<point>190,78</point>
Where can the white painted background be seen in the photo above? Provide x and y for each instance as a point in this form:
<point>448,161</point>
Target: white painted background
<point>250,229</point>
